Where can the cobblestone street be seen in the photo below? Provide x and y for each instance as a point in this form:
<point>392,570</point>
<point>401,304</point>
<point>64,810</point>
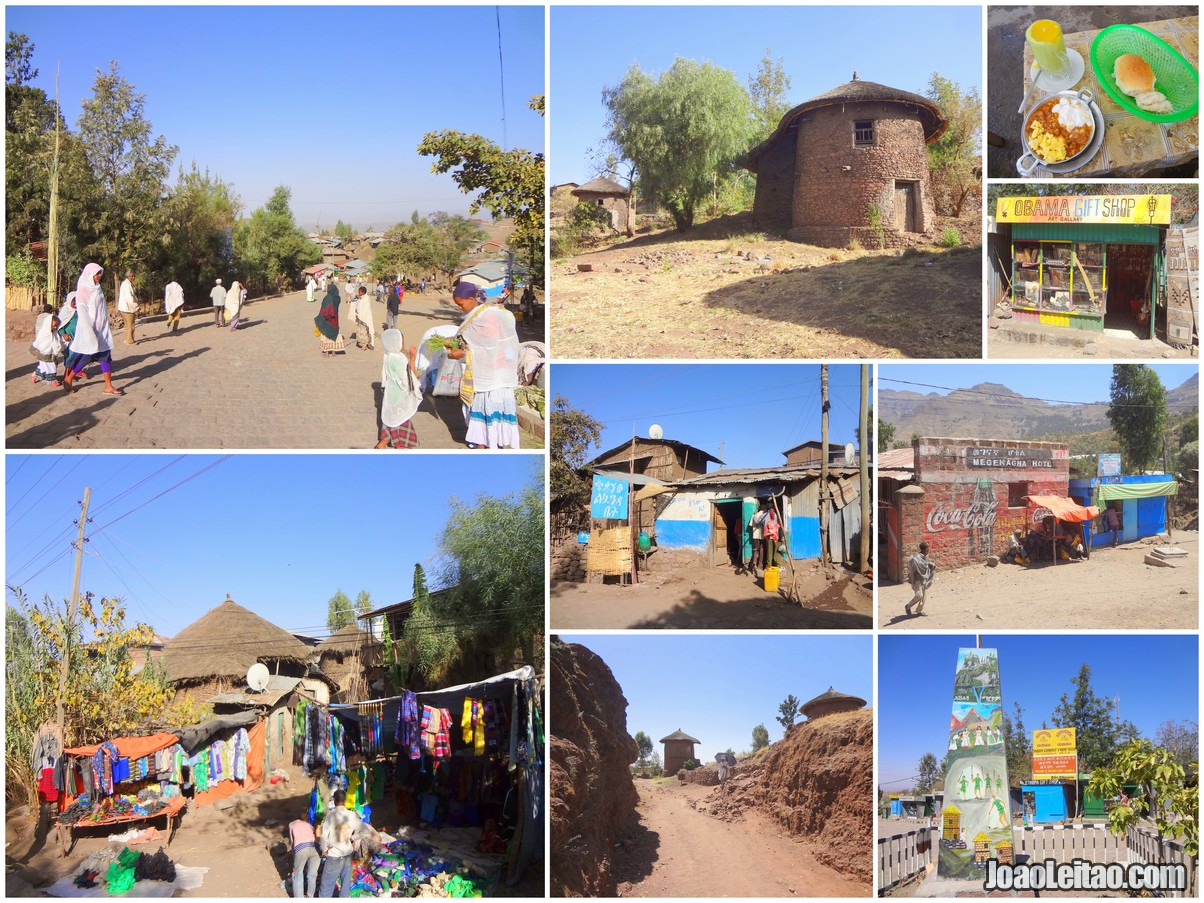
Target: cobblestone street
<point>264,386</point>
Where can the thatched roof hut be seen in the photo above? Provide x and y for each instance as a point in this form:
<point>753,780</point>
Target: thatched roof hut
<point>351,657</point>
<point>346,640</point>
<point>228,640</point>
<point>830,703</point>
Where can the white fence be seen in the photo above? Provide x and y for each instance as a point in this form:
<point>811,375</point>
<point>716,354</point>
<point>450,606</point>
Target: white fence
<point>904,855</point>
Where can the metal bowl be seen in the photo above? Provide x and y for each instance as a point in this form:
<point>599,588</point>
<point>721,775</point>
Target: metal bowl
<point>1029,161</point>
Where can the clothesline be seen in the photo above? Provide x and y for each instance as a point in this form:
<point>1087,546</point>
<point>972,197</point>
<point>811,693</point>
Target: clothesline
<point>526,672</point>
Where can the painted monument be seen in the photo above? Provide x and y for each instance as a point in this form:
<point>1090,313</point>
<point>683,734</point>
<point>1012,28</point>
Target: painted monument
<point>976,782</point>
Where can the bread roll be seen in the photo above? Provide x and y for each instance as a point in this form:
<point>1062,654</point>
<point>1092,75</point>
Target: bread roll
<point>1133,75</point>
<point>1154,101</point>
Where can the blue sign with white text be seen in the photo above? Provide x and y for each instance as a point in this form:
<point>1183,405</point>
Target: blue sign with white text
<point>609,499</point>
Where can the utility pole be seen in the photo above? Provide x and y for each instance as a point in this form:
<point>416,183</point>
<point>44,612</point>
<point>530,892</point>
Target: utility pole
<point>60,714</point>
<point>866,448</point>
<point>823,468</point>
<point>52,230</point>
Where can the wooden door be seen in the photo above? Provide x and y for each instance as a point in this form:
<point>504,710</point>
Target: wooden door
<point>905,206</point>
<point>719,554</point>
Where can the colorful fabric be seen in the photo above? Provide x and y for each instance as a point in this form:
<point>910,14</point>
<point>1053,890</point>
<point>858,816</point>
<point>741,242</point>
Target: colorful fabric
<point>409,730</point>
<point>404,436</point>
<point>467,719</point>
<point>443,735</point>
<point>492,419</point>
<point>327,320</point>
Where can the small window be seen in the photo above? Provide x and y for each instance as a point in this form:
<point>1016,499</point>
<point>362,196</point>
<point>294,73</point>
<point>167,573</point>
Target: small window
<point>863,132</point>
<point>601,202</point>
<point>1017,493</point>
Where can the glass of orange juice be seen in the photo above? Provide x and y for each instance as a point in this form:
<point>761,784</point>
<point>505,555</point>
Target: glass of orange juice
<point>1044,38</point>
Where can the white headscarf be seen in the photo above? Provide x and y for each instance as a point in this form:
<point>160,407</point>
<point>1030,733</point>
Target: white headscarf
<point>92,334</point>
<point>46,342</point>
<point>234,297</point>
<point>493,341</point>
<point>402,391</point>
<point>173,297</point>
<point>66,312</point>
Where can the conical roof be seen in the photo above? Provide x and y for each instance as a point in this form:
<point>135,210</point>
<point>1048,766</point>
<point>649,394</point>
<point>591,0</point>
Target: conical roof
<point>347,639</point>
<point>225,642</point>
<point>831,696</point>
<point>601,185</point>
<point>679,735</point>
<point>858,91</point>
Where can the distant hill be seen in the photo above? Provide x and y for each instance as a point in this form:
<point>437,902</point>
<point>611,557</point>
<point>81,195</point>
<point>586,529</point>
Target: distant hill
<point>993,411</point>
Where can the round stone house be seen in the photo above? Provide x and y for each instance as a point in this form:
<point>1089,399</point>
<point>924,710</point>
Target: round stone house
<point>830,703</point>
<point>850,164</point>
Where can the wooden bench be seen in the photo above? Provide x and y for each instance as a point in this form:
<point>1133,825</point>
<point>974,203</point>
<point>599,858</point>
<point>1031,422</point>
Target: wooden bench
<point>175,809</point>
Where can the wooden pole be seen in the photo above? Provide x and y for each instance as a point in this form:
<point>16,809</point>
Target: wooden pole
<point>631,510</point>
<point>865,468</point>
<point>823,468</point>
<point>52,230</point>
<point>60,714</point>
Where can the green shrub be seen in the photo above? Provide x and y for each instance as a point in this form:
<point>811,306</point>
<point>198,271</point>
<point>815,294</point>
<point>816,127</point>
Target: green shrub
<point>949,238</point>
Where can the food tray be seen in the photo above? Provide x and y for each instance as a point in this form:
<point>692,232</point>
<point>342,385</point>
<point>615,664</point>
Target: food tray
<point>1174,76</point>
<point>1029,162</point>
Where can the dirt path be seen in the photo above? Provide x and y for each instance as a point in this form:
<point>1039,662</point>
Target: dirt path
<point>746,296</point>
<point>681,852</point>
<point>706,597</point>
<point>1113,589</point>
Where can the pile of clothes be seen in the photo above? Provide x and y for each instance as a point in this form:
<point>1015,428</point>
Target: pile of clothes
<point>111,808</point>
<point>408,869</point>
<point>122,869</point>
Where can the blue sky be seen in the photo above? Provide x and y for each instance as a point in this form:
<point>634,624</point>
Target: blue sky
<point>1156,678</point>
<point>756,410</point>
<point>592,48</point>
<point>332,101</point>
<point>1053,382</point>
<point>280,533</point>
<point>718,688</point>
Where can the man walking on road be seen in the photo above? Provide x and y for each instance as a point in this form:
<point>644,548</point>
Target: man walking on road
<point>218,295</point>
<point>920,574</point>
<point>128,306</point>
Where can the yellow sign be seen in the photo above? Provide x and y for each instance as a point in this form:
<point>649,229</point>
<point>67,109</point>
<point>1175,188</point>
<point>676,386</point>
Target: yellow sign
<point>1058,741</point>
<point>1134,209</point>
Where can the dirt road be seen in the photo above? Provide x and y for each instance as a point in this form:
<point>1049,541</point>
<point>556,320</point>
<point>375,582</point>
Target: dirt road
<point>720,291</point>
<point>706,597</point>
<point>1113,589</point>
<point>679,851</point>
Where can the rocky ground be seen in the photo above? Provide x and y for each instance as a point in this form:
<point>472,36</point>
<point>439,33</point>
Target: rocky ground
<point>723,290</point>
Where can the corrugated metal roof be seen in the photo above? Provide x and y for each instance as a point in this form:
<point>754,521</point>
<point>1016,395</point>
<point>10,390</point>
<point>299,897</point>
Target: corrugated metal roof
<point>767,475</point>
<point>278,688</point>
<point>670,443</point>
<point>1117,234</point>
<point>635,479</point>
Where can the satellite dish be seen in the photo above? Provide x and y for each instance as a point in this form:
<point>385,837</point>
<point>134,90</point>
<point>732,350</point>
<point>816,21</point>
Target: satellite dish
<point>655,431</point>
<point>850,454</point>
<point>257,677</point>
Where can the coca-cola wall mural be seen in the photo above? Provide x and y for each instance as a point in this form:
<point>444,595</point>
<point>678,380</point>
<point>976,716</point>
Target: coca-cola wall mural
<point>974,511</point>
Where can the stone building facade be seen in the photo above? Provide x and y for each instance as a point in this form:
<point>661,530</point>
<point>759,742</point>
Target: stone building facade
<point>607,194</point>
<point>679,748</point>
<point>850,164</point>
<point>968,495</point>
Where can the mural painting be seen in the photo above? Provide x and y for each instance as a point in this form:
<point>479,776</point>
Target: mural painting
<point>977,819</point>
<point>976,516</point>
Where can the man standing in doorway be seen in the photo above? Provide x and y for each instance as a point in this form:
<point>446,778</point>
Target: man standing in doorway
<point>128,306</point>
<point>218,295</point>
<point>1113,524</point>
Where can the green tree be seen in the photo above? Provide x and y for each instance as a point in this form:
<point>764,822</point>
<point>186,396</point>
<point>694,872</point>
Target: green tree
<point>1017,747</point>
<point>1169,796</point>
<point>342,231</point>
<point>574,433</point>
<point>760,737</point>
<point>768,90</point>
<point>270,251</point>
<point>199,213</point>
<point>1189,429</point>
<point>1189,458</point>
<point>1098,736</point>
<point>884,432</point>
<point>644,748</point>
<point>363,602</point>
<point>338,611</point>
<point>18,60</point>
<point>953,157</point>
<point>1138,414</point>
<point>491,612</point>
<point>1182,740</point>
<point>788,711</point>
<point>508,183</point>
<point>684,132</point>
<point>929,773</point>
<point>131,167</point>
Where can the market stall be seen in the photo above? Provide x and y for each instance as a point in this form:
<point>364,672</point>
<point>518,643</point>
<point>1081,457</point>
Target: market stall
<point>121,781</point>
<point>1054,511</point>
<point>1091,262</point>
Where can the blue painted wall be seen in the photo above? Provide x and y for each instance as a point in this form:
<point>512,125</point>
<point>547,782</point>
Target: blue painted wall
<point>683,534</point>
<point>804,537</point>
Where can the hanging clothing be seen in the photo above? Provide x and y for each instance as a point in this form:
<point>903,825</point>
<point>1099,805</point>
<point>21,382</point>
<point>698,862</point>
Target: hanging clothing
<point>409,730</point>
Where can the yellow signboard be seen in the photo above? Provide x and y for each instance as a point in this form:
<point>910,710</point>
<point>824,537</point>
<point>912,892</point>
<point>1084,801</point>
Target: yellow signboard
<point>1058,741</point>
<point>1133,209</point>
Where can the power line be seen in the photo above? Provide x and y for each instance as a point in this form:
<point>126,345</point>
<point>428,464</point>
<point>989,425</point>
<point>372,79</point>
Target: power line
<point>54,484</point>
<point>12,476</point>
<point>174,486</point>
<point>497,12</point>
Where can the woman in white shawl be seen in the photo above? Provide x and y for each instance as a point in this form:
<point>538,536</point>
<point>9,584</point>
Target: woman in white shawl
<point>173,303</point>
<point>402,393</point>
<point>93,341</point>
<point>490,371</point>
<point>234,303</point>
<point>47,347</point>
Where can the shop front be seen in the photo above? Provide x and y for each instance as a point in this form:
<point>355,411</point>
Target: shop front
<point>1141,502</point>
<point>1091,262</point>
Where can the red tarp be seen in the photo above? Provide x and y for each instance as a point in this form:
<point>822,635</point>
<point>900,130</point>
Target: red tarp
<point>257,734</point>
<point>130,747</point>
<point>1063,509</point>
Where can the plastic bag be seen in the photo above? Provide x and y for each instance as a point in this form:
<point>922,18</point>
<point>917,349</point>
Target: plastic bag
<point>447,382</point>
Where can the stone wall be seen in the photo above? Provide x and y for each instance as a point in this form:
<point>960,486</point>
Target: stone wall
<point>838,182</point>
<point>568,560</point>
<point>775,183</point>
<point>616,206</point>
<point>961,508</point>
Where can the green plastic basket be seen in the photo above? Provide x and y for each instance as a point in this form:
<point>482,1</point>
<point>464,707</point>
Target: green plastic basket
<point>1174,76</point>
